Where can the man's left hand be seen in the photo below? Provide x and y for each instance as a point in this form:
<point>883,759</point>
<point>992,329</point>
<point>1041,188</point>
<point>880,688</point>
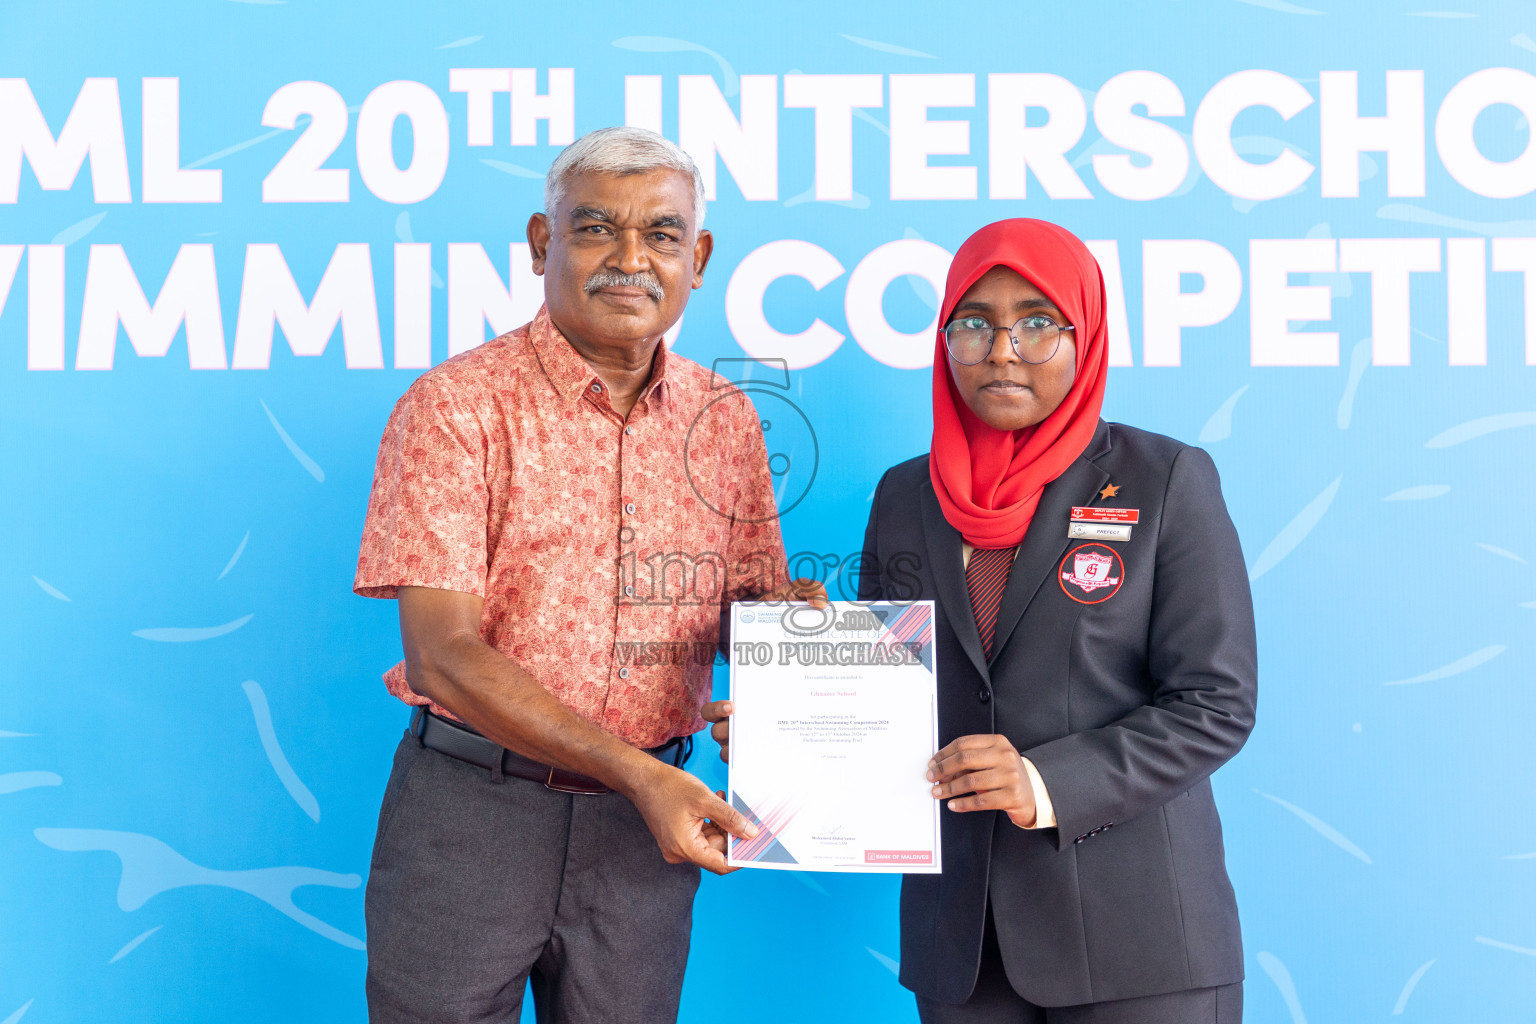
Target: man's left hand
<point>812,591</point>
<point>718,713</point>
<point>989,769</point>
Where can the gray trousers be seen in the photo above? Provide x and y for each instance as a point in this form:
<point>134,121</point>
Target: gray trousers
<point>994,1001</point>
<point>478,887</point>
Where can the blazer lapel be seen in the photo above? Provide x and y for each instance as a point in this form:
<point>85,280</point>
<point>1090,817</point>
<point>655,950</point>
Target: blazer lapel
<point>1046,539</point>
<point>946,566</point>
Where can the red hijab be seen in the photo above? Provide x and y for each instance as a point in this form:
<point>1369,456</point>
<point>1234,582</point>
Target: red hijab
<point>989,481</point>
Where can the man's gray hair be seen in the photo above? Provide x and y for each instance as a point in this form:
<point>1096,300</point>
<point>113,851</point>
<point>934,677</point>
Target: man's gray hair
<point>620,151</point>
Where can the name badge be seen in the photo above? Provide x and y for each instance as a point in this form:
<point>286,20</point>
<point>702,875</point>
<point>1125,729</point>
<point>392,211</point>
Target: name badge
<point>1091,523</point>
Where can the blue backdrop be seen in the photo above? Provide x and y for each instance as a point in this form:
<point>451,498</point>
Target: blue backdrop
<point>194,738</point>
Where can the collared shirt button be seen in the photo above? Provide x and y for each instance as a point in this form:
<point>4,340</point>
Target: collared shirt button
<point>596,386</point>
<point>630,508</point>
<point>629,591</point>
<point>629,430</point>
<point>623,673</point>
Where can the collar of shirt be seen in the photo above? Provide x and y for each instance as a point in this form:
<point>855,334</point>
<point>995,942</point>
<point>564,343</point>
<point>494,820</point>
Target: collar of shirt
<point>570,374</point>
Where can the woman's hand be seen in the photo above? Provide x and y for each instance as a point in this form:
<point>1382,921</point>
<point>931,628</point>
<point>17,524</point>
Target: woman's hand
<point>989,769</point>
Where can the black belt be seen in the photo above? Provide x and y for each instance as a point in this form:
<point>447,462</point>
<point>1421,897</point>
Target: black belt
<point>460,741</point>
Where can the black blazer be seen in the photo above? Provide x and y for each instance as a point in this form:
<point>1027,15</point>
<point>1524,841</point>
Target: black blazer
<point>1125,705</point>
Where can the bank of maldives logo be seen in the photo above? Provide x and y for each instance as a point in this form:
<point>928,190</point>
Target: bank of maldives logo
<point>1094,573</point>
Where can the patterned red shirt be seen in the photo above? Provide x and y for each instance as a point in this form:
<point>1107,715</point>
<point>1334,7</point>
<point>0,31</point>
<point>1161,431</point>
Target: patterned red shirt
<point>601,547</point>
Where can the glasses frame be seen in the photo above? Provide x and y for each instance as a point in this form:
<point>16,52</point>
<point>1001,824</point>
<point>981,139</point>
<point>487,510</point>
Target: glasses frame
<point>1013,339</point>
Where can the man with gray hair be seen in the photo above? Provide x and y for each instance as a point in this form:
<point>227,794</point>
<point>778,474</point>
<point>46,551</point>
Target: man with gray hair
<point>562,515</point>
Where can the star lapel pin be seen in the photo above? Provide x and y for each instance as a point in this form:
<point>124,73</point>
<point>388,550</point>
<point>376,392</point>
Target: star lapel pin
<point>1109,492</point>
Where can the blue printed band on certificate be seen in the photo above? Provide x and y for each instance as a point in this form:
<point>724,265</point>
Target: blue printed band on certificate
<point>836,718</point>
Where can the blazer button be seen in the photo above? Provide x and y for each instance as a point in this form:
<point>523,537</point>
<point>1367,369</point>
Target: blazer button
<point>985,694</point>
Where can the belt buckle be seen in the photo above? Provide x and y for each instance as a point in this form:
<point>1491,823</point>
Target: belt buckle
<point>550,783</point>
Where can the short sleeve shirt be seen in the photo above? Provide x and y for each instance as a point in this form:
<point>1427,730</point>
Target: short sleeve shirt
<point>603,546</point>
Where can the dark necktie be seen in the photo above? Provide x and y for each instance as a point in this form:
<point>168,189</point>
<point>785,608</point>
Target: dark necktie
<point>986,574</point>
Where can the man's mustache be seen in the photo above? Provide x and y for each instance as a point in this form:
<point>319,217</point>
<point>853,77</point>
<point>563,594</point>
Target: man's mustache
<point>615,279</point>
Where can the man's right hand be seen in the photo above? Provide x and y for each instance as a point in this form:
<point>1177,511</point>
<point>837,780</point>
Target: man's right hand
<point>719,712</point>
<point>685,816</point>
<point>448,662</point>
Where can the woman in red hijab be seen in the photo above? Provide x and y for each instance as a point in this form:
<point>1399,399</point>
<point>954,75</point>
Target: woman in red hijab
<point>1097,662</point>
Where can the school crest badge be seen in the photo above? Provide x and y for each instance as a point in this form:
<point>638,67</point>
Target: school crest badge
<point>1091,573</point>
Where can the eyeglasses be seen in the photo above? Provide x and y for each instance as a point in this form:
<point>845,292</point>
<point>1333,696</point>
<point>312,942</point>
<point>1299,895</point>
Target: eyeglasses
<point>1035,338</point>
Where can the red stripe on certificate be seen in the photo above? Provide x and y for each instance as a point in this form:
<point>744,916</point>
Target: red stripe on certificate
<point>913,626</point>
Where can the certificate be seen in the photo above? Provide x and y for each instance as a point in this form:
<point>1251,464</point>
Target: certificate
<point>836,718</point>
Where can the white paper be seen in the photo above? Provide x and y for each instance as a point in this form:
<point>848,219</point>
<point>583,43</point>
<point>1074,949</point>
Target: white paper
<point>836,719</point>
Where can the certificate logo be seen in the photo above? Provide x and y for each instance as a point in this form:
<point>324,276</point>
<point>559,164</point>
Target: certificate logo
<point>746,617</point>
<point>1091,574</point>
